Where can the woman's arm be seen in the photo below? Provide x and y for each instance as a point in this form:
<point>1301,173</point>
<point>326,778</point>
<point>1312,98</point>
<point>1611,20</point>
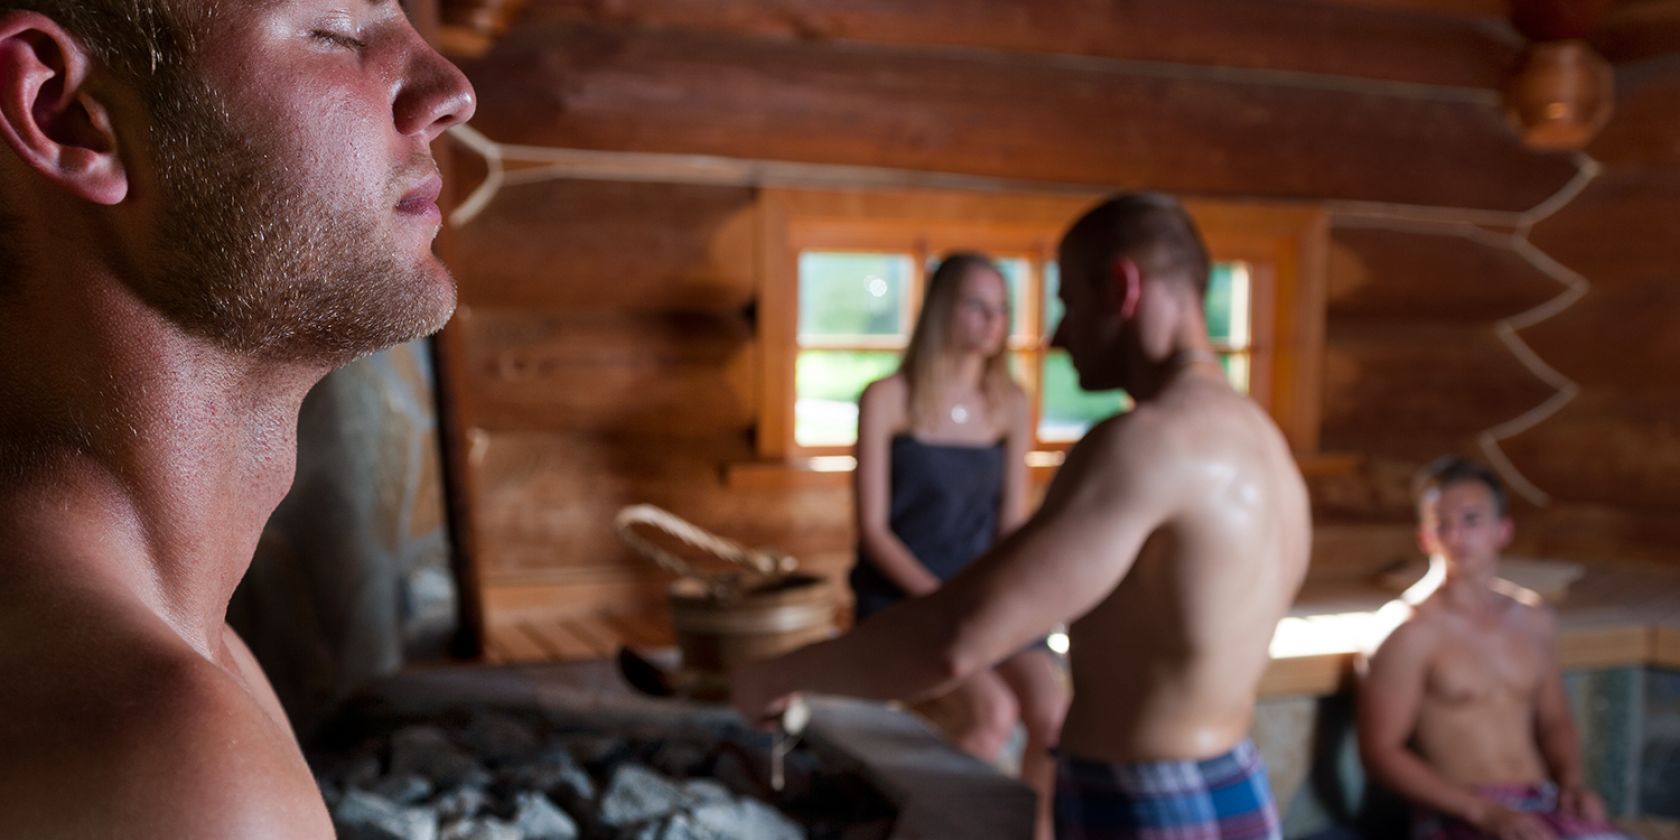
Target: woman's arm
<point>881,412</point>
<point>1012,508</point>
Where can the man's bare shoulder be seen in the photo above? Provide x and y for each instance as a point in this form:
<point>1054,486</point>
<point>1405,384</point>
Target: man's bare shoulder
<point>1527,609</point>
<point>1132,437</point>
<point>167,745</point>
<point>1406,629</point>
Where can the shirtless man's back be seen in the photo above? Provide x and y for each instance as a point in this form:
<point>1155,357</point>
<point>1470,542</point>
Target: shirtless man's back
<point>204,208</point>
<point>1173,539</point>
<point>1462,709</point>
<point>1196,611</point>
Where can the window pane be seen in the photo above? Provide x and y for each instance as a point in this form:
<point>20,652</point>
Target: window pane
<point>1236,369</point>
<point>1227,304</point>
<point>851,294</point>
<point>1052,301</point>
<point>1067,411</point>
<point>827,383</point>
<point>1014,270</point>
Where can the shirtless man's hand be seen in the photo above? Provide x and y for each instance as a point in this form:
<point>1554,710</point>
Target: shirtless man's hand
<point>204,208</point>
<point>1507,824</point>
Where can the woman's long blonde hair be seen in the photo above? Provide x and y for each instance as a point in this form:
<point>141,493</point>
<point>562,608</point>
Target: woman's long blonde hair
<point>927,365</point>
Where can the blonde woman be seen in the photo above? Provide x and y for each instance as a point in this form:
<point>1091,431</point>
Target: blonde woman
<point>941,475</point>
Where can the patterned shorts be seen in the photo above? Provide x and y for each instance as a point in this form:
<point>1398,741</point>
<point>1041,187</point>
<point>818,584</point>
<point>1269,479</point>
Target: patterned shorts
<point>1539,799</point>
<point>1212,799</point>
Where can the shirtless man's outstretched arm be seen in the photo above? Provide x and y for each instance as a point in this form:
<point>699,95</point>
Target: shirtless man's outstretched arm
<point>1058,565</point>
<point>204,208</point>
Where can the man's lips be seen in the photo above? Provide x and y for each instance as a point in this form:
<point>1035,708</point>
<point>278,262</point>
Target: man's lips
<point>422,200</point>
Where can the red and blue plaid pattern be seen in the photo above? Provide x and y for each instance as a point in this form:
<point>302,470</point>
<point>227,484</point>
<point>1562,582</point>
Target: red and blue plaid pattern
<point>1213,799</point>
<point>1539,799</point>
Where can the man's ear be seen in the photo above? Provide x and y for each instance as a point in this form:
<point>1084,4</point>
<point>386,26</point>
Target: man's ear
<point>1507,531</point>
<point>50,118</point>
<point>1126,282</point>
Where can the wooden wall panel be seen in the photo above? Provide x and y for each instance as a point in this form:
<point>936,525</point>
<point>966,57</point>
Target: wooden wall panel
<point>547,502</point>
<point>1643,128</point>
<point>1601,533</point>
<point>1307,37</point>
<point>1392,276</point>
<point>1608,447</point>
<point>1408,390</point>
<point>594,87</point>
<point>1620,338</point>
<point>1638,31</point>
<point>672,375</point>
<point>1620,229</point>
<point>595,245</point>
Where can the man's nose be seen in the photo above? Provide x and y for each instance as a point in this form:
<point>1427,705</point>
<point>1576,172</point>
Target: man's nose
<point>435,95</point>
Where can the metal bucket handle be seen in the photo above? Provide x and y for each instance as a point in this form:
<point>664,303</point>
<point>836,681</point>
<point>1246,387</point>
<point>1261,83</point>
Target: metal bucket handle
<point>766,564</point>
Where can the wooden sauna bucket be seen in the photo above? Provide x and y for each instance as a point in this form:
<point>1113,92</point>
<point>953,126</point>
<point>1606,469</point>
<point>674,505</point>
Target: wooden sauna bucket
<point>723,620</point>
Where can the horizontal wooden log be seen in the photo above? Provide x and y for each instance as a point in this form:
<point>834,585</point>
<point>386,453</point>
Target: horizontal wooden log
<point>1018,117</point>
<point>1618,339</point>
<point>1639,30</point>
<point>668,376</point>
<point>1354,40</point>
<point>1620,228</point>
<point>1600,533</point>
<point>1415,391</point>
<point>548,501</point>
<point>1377,490</point>
<point>1607,449</point>
<point>1645,121</point>
<point>589,246</point>
<point>1359,550</point>
<point>1387,276</point>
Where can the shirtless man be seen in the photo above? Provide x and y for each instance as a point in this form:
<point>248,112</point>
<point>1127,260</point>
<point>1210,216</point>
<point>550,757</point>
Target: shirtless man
<point>1172,540</point>
<point>204,207</point>
<point>1462,709</point>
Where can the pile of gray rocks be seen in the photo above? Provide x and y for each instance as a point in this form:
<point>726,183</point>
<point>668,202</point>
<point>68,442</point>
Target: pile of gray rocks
<point>500,777</point>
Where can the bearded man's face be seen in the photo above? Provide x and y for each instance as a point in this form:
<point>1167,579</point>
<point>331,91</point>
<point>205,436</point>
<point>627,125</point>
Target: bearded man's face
<point>297,190</point>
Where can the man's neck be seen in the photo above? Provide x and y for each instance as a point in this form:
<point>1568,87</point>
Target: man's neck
<point>145,461</point>
<point>1461,588</point>
<point>1186,363</point>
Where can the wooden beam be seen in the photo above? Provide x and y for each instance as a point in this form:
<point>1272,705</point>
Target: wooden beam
<point>1389,276</point>
<point>1022,117</point>
<point>590,246</point>
<point>1435,42</point>
<point>1642,129</point>
<point>671,376</point>
<point>1409,389</point>
<point>1607,447</point>
<point>1639,30</point>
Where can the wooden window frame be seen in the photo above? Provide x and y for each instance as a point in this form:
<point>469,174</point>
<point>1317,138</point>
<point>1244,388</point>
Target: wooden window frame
<point>1283,246</point>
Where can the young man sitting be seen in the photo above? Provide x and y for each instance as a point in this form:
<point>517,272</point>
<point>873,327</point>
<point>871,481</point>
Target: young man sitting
<point>1462,708</point>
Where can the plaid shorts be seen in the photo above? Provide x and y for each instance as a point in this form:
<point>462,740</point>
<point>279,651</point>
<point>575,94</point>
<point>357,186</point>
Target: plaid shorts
<point>1215,798</point>
<point>1539,799</point>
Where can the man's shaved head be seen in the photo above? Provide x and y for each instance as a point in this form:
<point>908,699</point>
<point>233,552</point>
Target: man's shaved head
<point>1151,229</point>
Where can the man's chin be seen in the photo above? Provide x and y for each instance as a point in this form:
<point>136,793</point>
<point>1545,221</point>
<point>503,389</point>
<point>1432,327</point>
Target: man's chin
<point>431,303</point>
